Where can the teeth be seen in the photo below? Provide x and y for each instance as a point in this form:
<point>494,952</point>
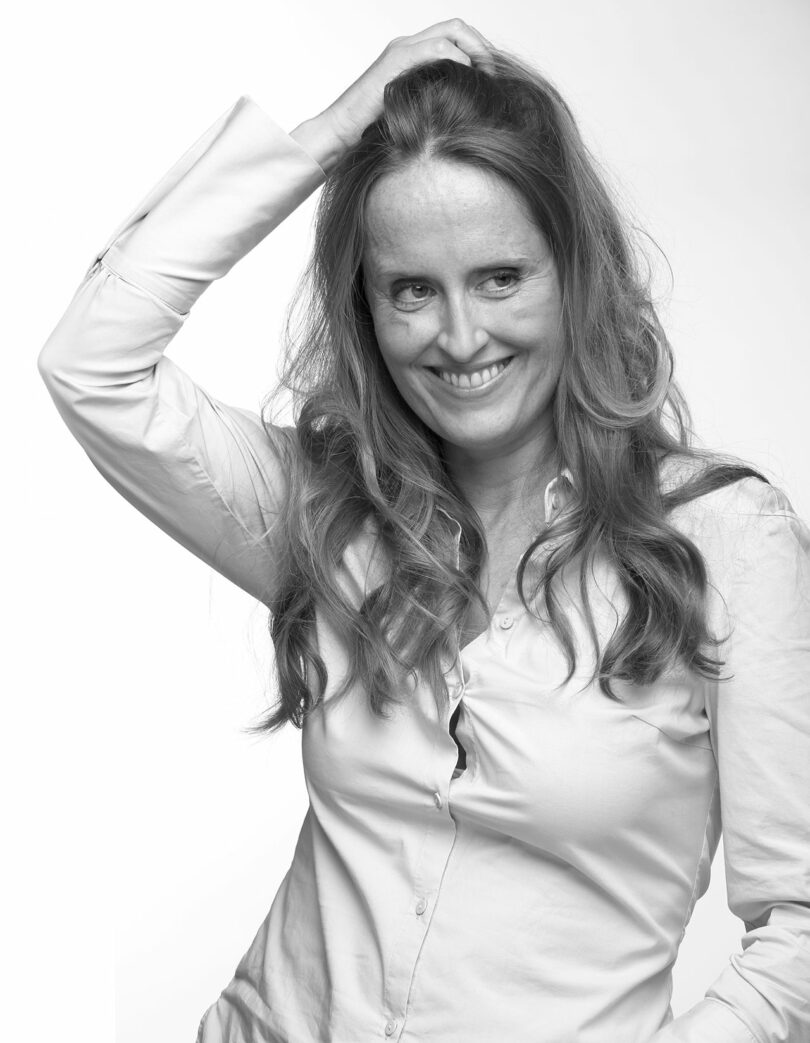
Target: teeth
<point>474,380</point>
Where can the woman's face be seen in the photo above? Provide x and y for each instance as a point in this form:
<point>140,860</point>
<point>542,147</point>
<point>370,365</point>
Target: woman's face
<point>459,279</point>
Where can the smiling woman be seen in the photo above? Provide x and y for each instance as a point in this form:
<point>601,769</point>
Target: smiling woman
<point>541,649</point>
<point>465,174</point>
<point>489,295</point>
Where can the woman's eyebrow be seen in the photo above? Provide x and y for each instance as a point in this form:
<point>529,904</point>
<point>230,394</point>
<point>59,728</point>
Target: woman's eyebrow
<point>418,271</point>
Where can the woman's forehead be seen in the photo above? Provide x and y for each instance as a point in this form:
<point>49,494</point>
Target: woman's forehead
<point>433,205</point>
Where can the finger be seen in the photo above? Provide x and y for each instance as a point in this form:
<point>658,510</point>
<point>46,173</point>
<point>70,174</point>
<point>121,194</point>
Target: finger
<point>483,55</point>
<point>445,46</point>
<point>434,48</point>
<point>462,35</point>
<point>486,47</point>
<point>448,27</point>
<point>456,30</point>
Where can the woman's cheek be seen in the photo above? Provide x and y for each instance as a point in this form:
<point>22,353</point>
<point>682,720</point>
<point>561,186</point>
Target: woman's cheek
<point>406,337</point>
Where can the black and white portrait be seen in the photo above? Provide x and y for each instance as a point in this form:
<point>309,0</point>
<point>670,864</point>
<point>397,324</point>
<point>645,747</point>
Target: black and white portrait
<point>409,621</point>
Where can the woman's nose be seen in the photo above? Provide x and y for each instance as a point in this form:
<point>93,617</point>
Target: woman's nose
<point>461,334</point>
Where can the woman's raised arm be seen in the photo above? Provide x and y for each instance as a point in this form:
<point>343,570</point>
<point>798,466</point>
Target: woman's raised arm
<point>207,473</point>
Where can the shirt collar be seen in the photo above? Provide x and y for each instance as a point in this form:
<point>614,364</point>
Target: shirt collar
<point>558,493</point>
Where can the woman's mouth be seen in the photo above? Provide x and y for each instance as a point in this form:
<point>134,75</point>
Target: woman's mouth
<point>471,381</point>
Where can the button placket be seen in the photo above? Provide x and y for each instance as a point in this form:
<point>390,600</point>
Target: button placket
<point>425,885</point>
<point>455,669</point>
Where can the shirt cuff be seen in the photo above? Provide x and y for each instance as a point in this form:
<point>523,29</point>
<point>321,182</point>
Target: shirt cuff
<point>236,183</point>
<point>709,1021</point>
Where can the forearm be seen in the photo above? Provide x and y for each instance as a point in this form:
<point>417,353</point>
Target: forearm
<point>207,473</point>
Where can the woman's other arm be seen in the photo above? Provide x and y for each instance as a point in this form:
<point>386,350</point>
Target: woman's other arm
<point>760,725</point>
<point>207,473</point>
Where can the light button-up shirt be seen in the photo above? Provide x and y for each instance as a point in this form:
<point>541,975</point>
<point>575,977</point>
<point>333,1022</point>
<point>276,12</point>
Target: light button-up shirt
<point>536,892</point>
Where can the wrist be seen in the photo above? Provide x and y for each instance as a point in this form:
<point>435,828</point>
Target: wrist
<point>320,138</point>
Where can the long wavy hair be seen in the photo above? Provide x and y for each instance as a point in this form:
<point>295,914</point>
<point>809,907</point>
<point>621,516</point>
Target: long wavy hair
<point>359,454</point>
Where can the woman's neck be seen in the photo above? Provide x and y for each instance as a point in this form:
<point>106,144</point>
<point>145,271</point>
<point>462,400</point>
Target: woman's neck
<point>501,485</point>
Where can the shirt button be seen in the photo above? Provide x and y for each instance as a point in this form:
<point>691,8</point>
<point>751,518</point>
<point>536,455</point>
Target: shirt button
<point>506,622</point>
<point>390,1027</point>
<point>437,799</point>
<point>421,905</point>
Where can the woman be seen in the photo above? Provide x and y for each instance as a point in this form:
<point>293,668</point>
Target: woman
<point>534,640</point>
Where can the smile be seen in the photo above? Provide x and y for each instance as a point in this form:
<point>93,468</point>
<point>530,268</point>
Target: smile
<point>470,381</point>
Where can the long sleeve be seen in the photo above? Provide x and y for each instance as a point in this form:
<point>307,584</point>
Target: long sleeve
<point>209,474</point>
<point>760,726</point>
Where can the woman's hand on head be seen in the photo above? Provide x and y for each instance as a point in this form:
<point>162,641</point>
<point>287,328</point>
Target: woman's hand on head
<point>340,126</point>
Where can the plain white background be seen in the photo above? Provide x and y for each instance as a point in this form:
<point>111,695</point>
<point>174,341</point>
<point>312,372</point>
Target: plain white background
<point>145,833</point>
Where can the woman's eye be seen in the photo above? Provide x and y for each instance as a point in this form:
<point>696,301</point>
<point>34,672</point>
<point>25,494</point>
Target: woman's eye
<point>411,293</point>
<point>503,280</point>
